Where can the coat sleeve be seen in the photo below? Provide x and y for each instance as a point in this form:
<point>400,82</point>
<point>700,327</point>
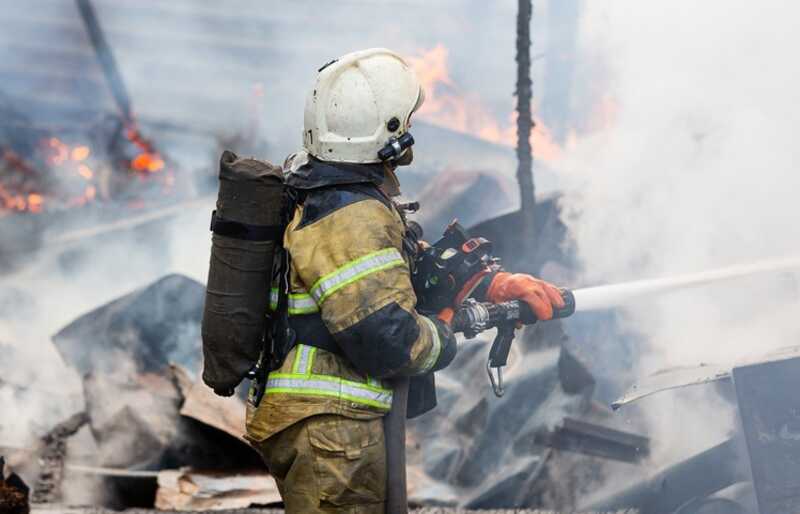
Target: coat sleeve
<point>352,265</point>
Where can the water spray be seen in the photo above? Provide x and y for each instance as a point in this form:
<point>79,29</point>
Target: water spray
<point>475,317</point>
<point>616,295</point>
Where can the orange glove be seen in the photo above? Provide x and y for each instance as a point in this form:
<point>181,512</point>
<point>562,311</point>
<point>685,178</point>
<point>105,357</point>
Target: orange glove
<point>446,315</point>
<point>538,294</point>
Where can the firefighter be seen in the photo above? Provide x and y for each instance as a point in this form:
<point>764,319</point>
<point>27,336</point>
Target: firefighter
<point>351,305</point>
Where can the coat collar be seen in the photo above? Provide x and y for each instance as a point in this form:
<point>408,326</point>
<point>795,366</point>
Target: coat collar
<point>316,174</point>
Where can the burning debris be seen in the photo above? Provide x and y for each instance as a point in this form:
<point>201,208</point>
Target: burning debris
<point>45,171</point>
<point>449,106</point>
<point>149,433</point>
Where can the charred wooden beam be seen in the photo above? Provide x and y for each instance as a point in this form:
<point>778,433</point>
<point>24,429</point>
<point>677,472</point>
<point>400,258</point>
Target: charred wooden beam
<point>695,477</point>
<point>47,488</point>
<point>525,121</point>
<point>106,59</point>
<point>596,440</point>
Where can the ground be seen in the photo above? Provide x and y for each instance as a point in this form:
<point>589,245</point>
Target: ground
<point>55,509</point>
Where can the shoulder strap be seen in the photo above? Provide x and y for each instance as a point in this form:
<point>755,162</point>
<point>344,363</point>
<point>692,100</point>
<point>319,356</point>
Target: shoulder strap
<point>244,231</point>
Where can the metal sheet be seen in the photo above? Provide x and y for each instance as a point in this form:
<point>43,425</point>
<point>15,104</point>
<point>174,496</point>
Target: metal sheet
<point>675,378</point>
<point>769,408</point>
<point>225,414</point>
<point>672,379</point>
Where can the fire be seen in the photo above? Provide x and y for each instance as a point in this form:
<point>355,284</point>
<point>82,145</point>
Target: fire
<point>11,201</point>
<point>448,106</point>
<point>61,173</point>
<point>85,172</point>
<point>35,202</point>
<point>149,162</point>
<point>80,153</point>
<point>59,152</point>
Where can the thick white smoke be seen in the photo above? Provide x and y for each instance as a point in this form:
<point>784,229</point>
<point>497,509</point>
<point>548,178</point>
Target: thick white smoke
<point>696,169</point>
<point>195,67</point>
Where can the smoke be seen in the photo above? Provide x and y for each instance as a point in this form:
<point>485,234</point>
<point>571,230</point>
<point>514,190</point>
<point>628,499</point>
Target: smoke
<point>695,170</point>
<point>196,75</point>
<point>692,170</point>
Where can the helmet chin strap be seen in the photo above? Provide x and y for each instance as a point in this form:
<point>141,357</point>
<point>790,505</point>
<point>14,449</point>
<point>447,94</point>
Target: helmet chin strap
<point>391,184</point>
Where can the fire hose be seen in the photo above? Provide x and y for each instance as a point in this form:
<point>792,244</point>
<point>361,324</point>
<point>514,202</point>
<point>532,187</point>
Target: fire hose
<point>474,317</point>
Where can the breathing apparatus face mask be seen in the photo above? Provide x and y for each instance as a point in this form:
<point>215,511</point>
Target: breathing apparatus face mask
<point>398,149</point>
<point>391,184</point>
<point>405,159</point>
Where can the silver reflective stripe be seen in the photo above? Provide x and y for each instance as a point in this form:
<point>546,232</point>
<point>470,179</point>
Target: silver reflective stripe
<point>314,385</point>
<point>299,303</point>
<point>303,360</point>
<point>436,346</point>
<point>302,304</point>
<point>355,270</point>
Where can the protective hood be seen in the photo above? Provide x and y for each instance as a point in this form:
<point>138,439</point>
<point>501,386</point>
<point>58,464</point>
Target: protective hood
<point>316,174</point>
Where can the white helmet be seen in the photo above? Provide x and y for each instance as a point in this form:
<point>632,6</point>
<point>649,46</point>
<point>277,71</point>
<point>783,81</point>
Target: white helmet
<point>361,103</point>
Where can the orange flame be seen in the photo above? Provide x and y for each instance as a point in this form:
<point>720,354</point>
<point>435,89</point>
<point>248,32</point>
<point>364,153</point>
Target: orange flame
<point>146,161</point>
<point>59,152</point>
<point>11,201</point>
<point>448,106</point>
<point>35,202</point>
<point>80,153</point>
<point>85,172</point>
<point>74,163</point>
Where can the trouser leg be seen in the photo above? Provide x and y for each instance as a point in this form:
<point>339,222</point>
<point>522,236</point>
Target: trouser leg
<point>329,464</point>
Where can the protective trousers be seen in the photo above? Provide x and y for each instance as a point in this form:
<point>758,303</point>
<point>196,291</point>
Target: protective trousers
<point>329,464</point>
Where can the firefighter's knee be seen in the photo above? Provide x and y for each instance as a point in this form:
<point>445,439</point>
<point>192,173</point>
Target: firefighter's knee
<point>350,460</point>
<point>331,464</point>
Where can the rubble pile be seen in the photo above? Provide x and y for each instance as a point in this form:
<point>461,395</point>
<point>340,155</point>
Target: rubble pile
<point>147,423</point>
<point>478,451</point>
<point>151,434</point>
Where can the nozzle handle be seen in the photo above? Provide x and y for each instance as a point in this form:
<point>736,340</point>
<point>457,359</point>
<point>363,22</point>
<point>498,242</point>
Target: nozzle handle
<point>527,317</point>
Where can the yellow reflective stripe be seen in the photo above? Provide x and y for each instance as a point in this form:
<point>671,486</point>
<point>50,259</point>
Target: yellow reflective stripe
<point>336,394</point>
<point>354,271</point>
<point>436,346</point>
<point>303,359</point>
<point>299,303</point>
<point>325,385</point>
<point>302,304</point>
<point>308,362</point>
<point>296,362</point>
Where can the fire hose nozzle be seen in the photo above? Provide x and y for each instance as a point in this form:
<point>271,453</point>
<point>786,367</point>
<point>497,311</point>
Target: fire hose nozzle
<point>474,317</point>
<point>569,305</point>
